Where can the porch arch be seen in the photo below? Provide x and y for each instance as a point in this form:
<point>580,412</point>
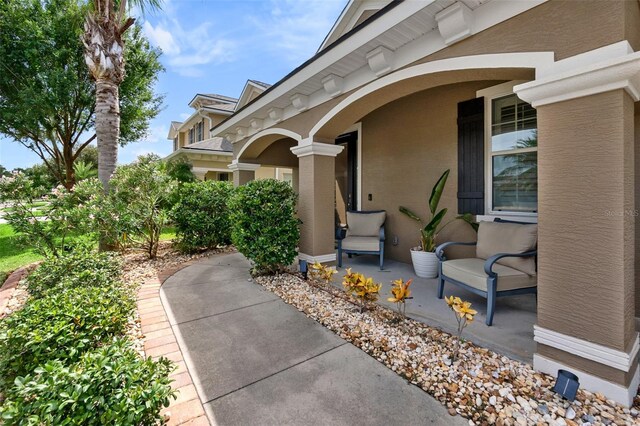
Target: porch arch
<point>253,147</point>
<point>509,66</point>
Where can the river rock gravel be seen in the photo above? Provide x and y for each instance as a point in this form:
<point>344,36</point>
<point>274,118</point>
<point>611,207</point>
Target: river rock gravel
<point>478,384</point>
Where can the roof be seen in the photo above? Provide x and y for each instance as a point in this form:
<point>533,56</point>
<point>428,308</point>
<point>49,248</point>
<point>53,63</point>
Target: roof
<point>213,144</point>
<point>205,99</point>
<point>173,129</point>
<point>252,89</point>
<point>260,83</point>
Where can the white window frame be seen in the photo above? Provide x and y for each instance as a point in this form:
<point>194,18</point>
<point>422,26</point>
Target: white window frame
<point>489,94</point>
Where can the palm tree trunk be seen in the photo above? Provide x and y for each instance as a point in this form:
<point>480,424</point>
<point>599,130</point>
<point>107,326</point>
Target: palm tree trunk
<point>107,128</point>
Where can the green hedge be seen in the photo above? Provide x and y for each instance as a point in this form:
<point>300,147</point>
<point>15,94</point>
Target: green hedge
<point>264,224</point>
<point>81,267</point>
<point>201,216</point>
<point>107,386</point>
<point>62,326</point>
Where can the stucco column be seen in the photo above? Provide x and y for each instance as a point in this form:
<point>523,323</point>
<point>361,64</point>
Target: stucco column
<point>295,180</point>
<point>243,172</point>
<point>316,202</point>
<point>586,220</point>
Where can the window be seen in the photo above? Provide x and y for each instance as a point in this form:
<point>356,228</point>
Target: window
<point>511,152</point>
<point>175,143</point>
<point>191,135</point>
<point>200,127</point>
<point>223,176</point>
<point>288,177</point>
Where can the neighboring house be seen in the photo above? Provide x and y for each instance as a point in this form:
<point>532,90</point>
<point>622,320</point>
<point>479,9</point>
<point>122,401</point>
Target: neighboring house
<point>210,156</point>
<point>533,105</point>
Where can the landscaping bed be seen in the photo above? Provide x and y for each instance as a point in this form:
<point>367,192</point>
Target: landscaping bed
<point>479,384</point>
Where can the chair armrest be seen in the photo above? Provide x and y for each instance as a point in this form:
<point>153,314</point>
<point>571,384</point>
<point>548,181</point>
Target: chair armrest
<point>488,264</point>
<point>441,247</point>
<point>341,233</point>
<point>381,233</point>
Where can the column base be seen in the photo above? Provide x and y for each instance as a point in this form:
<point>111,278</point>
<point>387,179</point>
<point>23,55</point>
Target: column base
<point>619,393</point>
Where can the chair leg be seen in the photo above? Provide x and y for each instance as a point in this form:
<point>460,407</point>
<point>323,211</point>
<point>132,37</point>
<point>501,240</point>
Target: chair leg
<point>381,256</point>
<point>491,299</point>
<point>339,255</point>
<point>440,282</point>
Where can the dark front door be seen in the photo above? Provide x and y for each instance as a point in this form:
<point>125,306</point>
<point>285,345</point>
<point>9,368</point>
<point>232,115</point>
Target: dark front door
<point>346,176</point>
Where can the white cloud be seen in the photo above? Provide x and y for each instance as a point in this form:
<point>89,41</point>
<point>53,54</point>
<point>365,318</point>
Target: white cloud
<point>161,38</point>
<point>157,133</point>
<point>187,51</point>
<point>297,27</point>
<point>184,116</point>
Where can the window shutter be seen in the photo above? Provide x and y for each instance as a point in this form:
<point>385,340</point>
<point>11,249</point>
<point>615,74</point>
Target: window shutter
<point>471,156</point>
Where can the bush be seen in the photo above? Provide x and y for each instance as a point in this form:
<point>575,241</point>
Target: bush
<point>180,170</point>
<point>137,205</point>
<point>61,326</point>
<point>201,216</point>
<point>108,386</point>
<point>264,224</point>
<point>68,212</point>
<point>82,267</point>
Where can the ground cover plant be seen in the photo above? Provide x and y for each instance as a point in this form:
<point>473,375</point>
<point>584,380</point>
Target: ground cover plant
<point>65,356</point>
<point>264,224</point>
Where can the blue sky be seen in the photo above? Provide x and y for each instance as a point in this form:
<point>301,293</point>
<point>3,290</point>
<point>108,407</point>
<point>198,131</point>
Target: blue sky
<point>214,46</point>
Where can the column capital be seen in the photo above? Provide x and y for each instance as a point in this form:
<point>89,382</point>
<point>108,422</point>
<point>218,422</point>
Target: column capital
<point>316,148</point>
<point>601,70</point>
<point>235,166</point>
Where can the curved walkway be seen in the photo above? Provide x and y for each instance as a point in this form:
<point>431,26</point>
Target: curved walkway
<point>256,360</point>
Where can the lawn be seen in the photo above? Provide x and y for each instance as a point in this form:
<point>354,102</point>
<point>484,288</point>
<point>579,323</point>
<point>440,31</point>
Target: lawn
<point>13,255</point>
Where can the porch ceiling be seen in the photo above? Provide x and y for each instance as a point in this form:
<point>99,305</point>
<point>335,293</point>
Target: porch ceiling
<point>408,30</point>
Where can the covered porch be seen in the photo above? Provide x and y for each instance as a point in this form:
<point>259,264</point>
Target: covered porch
<point>580,112</point>
<point>512,330</point>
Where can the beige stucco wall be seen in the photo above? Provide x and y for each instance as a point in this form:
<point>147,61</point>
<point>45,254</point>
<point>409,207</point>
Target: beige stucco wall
<point>406,146</point>
<point>265,173</point>
<point>587,229</point>
<point>637,209</point>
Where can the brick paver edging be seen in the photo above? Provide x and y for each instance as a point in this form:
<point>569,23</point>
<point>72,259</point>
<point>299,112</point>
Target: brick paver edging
<point>10,284</point>
<point>159,341</point>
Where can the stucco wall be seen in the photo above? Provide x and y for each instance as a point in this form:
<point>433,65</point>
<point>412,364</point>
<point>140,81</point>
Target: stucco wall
<point>637,199</point>
<point>406,146</point>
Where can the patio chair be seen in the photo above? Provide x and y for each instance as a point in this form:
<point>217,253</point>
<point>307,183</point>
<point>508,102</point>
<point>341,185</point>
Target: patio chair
<point>505,263</point>
<point>364,234</point>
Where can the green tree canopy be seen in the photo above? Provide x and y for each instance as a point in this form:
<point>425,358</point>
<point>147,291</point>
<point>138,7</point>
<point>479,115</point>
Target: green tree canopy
<point>47,99</point>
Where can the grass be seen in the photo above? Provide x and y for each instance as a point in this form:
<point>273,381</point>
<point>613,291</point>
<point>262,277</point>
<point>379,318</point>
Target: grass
<point>31,206</point>
<point>13,255</point>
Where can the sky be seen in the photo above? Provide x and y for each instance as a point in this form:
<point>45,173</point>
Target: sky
<point>215,46</point>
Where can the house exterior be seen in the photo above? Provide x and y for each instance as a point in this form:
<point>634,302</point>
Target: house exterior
<point>534,107</point>
<point>210,155</point>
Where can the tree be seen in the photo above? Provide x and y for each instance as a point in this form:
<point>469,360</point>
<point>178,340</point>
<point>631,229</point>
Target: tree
<point>105,26</point>
<point>47,100</point>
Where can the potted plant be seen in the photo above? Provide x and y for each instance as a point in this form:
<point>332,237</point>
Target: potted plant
<point>425,262</point>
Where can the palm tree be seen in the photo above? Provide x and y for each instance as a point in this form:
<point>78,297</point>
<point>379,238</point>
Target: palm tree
<point>105,25</point>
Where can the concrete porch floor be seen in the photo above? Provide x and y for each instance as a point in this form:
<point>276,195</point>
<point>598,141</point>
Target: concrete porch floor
<point>511,333</point>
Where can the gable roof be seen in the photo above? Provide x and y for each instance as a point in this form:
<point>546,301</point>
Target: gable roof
<point>204,99</point>
<point>354,13</point>
<point>252,89</point>
<point>173,129</point>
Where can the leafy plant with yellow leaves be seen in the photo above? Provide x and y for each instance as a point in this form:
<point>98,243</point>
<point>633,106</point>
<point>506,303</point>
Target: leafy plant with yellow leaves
<point>464,315</point>
<point>362,288</point>
<point>400,292</point>
<point>322,272</point>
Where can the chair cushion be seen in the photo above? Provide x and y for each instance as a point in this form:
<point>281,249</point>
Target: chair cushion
<point>361,243</point>
<point>471,272</point>
<point>497,237</point>
<point>365,224</point>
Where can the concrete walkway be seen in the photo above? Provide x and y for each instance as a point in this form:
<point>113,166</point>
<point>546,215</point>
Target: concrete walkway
<point>258,361</point>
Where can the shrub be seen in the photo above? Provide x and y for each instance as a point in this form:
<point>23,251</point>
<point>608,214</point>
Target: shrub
<point>112,385</point>
<point>264,224</point>
<point>201,216</point>
<point>68,212</point>
<point>137,205</point>
<point>82,267</point>
<point>180,170</point>
<point>61,326</point>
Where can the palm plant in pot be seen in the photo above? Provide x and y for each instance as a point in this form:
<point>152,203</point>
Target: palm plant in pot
<point>425,262</point>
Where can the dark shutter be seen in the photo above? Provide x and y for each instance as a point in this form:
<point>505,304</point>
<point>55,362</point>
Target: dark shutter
<point>471,156</point>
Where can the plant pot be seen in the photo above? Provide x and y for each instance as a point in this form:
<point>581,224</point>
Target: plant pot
<point>425,263</point>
